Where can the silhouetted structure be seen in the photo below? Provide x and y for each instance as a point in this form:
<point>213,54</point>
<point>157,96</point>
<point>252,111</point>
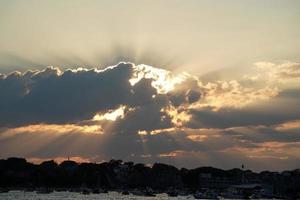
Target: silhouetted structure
<point>118,175</point>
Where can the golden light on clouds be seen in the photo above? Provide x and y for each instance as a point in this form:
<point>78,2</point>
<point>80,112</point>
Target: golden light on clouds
<point>111,115</point>
<point>56,129</point>
<point>165,130</point>
<point>232,94</point>
<point>170,154</point>
<point>143,132</point>
<point>156,131</point>
<point>272,149</point>
<point>283,72</point>
<point>162,80</point>
<point>290,125</point>
<point>197,138</point>
<point>178,117</point>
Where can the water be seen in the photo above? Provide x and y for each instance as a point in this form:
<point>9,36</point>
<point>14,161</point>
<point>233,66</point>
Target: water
<point>21,195</point>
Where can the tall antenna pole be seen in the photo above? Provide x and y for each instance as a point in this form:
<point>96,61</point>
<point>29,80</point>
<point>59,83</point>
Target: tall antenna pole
<point>243,174</point>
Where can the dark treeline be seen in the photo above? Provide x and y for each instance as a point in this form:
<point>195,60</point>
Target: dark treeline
<point>115,174</point>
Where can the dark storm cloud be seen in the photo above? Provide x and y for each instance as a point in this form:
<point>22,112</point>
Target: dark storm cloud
<point>147,117</point>
<point>49,97</point>
<point>71,96</point>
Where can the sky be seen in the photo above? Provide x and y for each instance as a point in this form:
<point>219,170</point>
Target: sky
<point>189,83</point>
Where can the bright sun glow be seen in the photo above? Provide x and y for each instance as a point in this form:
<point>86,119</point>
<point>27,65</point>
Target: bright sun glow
<point>162,80</point>
<point>178,117</point>
<point>111,115</point>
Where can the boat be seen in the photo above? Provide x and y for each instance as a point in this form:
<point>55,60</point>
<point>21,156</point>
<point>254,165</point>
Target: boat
<point>96,191</point>
<point>44,191</point>
<point>149,192</point>
<point>243,191</point>
<point>205,195</point>
<point>29,190</point>
<point>125,192</point>
<point>172,193</point>
<point>86,191</point>
<point>228,195</point>
<point>4,190</point>
<point>137,192</point>
<point>104,191</point>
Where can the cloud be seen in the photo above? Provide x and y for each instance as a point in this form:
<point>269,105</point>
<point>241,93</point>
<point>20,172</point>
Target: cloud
<point>185,147</point>
<point>60,97</point>
<point>147,114</point>
<point>232,94</point>
<point>55,96</point>
<point>53,129</point>
<point>282,72</point>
